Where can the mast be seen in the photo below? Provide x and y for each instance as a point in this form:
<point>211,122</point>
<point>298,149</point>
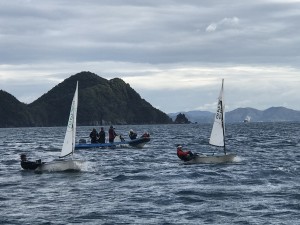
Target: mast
<point>73,144</point>
<point>223,127</point>
<point>74,119</point>
<point>223,114</point>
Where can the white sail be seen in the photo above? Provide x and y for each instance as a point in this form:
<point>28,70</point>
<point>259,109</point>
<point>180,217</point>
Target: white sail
<point>218,130</point>
<point>69,141</point>
<point>247,119</point>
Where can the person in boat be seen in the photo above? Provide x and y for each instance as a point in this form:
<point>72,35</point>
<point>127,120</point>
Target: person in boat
<point>101,135</point>
<point>94,136</point>
<point>132,134</point>
<point>121,138</point>
<point>29,165</point>
<point>145,135</point>
<point>111,134</point>
<point>184,155</point>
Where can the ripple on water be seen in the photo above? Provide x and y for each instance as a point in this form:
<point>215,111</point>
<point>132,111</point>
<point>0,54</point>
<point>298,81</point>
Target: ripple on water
<point>151,185</point>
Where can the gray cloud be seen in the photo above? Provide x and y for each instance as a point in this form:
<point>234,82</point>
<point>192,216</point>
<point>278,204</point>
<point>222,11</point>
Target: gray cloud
<point>148,43</point>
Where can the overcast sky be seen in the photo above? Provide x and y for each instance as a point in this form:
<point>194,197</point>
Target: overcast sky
<point>174,53</point>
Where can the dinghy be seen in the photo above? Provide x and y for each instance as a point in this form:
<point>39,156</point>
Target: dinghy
<point>247,119</point>
<point>217,137</point>
<point>136,143</point>
<point>68,147</point>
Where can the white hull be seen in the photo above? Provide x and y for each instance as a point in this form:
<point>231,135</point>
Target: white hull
<point>229,158</point>
<point>63,165</point>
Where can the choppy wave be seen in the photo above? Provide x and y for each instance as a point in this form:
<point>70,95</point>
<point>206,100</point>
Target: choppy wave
<point>151,185</point>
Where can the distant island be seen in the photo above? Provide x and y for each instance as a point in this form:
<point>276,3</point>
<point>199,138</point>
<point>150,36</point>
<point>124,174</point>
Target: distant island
<point>272,114</point>
<point>101,102</point>
<point>181,119</point>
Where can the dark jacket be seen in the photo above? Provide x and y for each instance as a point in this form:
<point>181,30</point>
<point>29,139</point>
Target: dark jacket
<point>102,136</point>
<point>132,135</point>
<point>94,136</point>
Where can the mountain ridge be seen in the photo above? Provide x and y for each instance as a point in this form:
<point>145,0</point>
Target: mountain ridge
<point>272,114</point>
<point>101,102</point>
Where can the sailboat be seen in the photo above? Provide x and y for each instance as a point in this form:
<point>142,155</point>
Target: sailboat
<point>217,137</point>
<point>247,119</point>
<point>68,147</point>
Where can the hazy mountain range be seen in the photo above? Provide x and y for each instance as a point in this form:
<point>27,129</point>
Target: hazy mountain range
<point>273,114</point>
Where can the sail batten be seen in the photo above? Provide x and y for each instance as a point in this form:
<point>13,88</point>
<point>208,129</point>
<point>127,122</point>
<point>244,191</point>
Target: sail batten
<point>69,141</point>
<point>218,130</point>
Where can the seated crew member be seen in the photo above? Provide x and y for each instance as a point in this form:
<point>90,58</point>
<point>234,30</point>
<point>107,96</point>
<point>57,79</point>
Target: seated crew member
<point>29,165</point>
<point>145,135</point>
<point>184,155</point>
<point>94,136</point>
<point>132,134</point>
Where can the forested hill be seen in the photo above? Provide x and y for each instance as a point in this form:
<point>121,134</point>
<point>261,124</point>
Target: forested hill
<point>13,113</point>
<point>101,101</point>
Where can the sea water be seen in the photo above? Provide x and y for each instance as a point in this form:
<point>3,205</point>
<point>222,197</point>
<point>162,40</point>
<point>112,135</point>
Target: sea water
<point>151,185</point>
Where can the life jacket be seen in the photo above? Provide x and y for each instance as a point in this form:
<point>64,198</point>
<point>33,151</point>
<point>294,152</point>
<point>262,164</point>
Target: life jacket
<point>183,155</point>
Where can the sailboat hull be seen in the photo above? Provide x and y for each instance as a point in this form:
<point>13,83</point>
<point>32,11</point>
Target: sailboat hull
<point>61,165</point>
<point>229,158</point>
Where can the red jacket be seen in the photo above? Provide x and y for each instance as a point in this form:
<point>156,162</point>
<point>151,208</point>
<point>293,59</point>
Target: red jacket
<point>181,154</point>
<point>111,134</point>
